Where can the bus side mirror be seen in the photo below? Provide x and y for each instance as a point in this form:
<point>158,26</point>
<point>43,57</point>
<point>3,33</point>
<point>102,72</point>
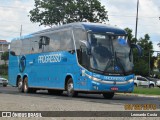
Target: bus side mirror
<point>86,44</point>
<point>138,47</point>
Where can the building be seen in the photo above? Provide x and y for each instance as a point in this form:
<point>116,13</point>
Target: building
<point>3,48</point>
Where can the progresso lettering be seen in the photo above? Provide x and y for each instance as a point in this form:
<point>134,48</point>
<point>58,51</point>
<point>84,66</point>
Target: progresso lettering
<point>49,58</point>
<point>115,78</point>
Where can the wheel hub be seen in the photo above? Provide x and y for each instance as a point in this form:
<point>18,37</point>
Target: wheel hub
<point>70,87</point>
<point>20,85</point>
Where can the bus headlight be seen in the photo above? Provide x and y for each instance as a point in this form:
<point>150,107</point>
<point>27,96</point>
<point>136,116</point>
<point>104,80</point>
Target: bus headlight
<point>96,79</point>
<point>130,81</point>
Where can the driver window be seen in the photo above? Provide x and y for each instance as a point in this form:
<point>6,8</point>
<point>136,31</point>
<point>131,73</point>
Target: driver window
<point>83,58</point>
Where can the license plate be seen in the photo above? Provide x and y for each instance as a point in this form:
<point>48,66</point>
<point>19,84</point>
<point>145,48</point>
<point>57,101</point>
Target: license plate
<point>114,88</point>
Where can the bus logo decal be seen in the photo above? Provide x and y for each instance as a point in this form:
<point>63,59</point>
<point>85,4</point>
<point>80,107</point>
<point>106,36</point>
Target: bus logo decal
<point>49,58</point>
<point>22,64</point>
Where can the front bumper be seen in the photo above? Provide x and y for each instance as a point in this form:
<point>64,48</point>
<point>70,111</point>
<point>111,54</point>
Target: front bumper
<point>4,83</point>
<point>96,86</point>
<point>99,85</point>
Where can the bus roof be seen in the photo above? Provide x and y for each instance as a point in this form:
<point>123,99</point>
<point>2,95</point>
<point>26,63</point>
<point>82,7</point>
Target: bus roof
<point>94,27</point>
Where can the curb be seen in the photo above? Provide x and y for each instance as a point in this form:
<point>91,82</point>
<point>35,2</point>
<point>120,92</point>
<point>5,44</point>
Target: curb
<point>139,95</point>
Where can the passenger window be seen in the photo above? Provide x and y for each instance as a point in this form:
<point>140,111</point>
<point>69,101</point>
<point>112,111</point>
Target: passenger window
<point>35,45</point>
<point>15,47</point>
<point>26,46</point>
<point>44,43</point>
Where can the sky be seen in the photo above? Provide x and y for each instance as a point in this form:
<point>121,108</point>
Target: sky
<point>122,13</point>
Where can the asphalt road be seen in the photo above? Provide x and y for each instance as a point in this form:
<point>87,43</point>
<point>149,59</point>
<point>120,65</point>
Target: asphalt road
<point>12,100</point>
<point>84,102</point>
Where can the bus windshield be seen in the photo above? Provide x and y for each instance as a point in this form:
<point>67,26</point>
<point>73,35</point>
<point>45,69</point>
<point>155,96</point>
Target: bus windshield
<point>110,53</point>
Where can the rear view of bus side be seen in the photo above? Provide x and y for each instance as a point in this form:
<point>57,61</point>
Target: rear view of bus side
<point>77,58</point>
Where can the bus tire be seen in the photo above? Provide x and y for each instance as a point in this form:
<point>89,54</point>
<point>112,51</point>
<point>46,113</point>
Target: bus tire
<point>108,95</point>
<point>70,88</point>
<point>151,86</point>
<point>25,85</point>
<point>135,85</point>
<point>4,85</point>
<point>20,85</point>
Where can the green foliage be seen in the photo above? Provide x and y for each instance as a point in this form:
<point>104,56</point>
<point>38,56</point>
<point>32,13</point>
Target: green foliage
<point>130,35</point>
<point>55,12</point>
<point>158,63</point>
<point>3,69</point>
<point>141,67</point>
<point>5,76</point>
<point>142,63</point>
<point>153,60</point>
<point>146,44</point>
<point>147,91</point>
<point>5,56</point>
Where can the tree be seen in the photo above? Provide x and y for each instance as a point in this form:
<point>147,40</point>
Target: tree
<point>129,32</point>
<point>146,44</point>
<point>141,64</point>
<point>5,56</point>
<point>147,47</point>
<point>141,67</point>
<point>130,35</point>
<point>55,12</point>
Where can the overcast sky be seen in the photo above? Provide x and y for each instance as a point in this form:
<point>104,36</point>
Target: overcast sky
<point>122,13</point>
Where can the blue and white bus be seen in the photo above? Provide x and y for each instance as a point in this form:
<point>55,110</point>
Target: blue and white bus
<point>77,58</point>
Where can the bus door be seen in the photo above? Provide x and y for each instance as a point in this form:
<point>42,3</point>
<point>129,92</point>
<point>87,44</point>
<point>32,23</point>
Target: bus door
<point>32,71</point>
<point>83,59</point>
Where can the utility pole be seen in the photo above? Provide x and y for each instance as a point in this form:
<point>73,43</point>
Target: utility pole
<point>136,20</point>
<point>21,31</point>
<point>149,63</point>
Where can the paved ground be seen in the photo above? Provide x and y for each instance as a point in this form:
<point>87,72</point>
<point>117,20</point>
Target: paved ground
<point>12,100</point>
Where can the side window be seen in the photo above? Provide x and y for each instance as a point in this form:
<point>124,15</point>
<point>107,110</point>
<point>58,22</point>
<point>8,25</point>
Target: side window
<point>144,79</point>
<point>15,47</point>
<point>79,34</point>
<point>139,78</point>
<point>26,46</point>
<point>44,43</point>
<point>57,41</point>
<point>34,45</point>
<point>83,56</point>
<point>66,41</point>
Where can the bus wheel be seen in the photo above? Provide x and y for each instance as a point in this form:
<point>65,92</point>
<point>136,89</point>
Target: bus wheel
<point>135,85</point>
<point>20,85</point>
<point>25,85</point>
<point>108,95</point>
<point>151,86</point>
<point>70,89</point>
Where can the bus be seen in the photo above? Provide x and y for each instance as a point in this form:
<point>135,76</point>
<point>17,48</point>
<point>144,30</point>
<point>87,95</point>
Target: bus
<point>77,58</point>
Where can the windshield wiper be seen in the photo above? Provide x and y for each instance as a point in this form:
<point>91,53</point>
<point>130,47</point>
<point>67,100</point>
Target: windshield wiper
<point>119,62</point>
<point>108,65</point>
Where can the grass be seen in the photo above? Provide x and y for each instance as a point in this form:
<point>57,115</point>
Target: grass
<point>147,91</point>
<point>4,76</point>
